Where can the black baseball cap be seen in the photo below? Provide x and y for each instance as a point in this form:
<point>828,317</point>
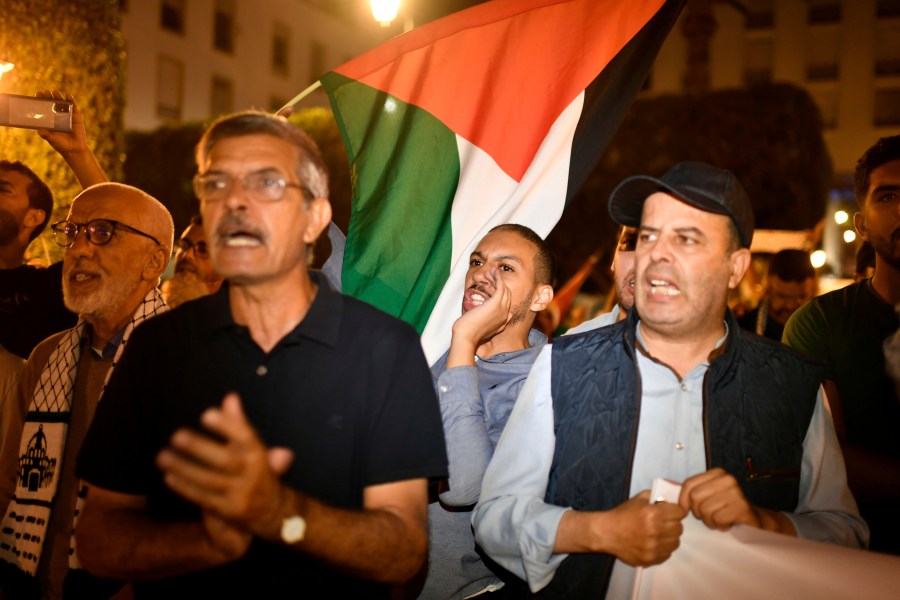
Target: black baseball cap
<point>701,185</point>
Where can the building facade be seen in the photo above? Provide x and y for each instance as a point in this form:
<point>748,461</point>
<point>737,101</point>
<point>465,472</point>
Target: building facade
<point>845,53</point>
<point>196,59</point>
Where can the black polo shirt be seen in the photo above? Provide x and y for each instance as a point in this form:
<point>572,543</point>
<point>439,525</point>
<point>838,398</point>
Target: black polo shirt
<point>31,307</point>
<point>348,391</point>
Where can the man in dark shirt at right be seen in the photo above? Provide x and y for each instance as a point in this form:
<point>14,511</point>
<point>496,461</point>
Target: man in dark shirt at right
<point>846,329</point>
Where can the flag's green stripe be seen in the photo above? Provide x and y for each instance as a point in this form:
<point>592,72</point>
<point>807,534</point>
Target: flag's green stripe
<point>405,170</point>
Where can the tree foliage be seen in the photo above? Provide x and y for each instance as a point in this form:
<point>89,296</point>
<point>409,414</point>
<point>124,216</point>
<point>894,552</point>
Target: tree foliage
<point>161,162</point>
<point>75,46</point>
<point>770,136</point>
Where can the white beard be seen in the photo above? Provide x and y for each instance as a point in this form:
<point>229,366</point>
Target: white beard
<point>106,300</point>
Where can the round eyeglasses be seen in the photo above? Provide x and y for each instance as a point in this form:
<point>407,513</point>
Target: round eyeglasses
<point>97,231</point>
<point>262,186</point>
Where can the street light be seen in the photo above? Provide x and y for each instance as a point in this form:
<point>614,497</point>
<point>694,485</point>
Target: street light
<point>841,217</point>
<point>385,11</point>
<point>818,259</point>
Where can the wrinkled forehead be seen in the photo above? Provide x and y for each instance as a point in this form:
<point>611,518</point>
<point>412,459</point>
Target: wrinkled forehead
<point>239,155</point>
<point>105,204</point>
<point>662,211</point>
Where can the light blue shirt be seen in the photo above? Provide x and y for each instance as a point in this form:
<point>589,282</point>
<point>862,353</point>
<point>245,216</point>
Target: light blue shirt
<point>601,320</point>
<point>518,529</point>
<point>475,404</point>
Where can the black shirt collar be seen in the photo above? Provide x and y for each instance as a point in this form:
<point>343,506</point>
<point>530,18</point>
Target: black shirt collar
<point>321,324</point>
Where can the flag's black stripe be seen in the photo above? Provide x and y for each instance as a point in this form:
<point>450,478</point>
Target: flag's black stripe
<point>611,93</point>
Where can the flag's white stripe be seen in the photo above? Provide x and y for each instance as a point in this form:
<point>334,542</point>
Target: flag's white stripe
<point>486,197</point>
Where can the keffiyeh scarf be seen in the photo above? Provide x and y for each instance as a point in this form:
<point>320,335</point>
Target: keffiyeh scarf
<point>24,526</point>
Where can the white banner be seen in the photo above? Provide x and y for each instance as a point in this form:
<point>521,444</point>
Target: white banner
<point>747,564</point>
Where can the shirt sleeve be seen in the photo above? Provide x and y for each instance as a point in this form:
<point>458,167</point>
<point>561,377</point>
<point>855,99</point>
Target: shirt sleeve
<point>806,331</point>
<point>826,511</point>
<point>512,522</point>
<point>468,443</point>
<point>597,322</point>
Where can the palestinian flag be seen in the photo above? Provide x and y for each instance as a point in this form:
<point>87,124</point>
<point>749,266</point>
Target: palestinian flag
<point>492,115</point>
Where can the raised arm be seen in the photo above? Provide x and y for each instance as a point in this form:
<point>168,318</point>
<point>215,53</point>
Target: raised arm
<point>72,145</point>
<point>469,447</point>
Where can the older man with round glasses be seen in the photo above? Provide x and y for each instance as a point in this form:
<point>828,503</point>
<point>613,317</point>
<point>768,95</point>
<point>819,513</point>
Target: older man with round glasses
<point>118,241</point>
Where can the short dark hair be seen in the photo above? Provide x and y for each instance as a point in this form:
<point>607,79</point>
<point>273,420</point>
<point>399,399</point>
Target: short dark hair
<point>39,195</point>
<point>791,265</point>
<point>544,262</point>
<point>311,167</point>
<point>884,151</point>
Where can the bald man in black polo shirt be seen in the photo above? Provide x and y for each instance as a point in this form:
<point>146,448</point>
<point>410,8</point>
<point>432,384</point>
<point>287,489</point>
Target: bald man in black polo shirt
<point>311,474</point>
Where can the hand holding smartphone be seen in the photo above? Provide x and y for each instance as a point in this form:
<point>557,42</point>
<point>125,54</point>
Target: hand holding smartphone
<point>35,113</point>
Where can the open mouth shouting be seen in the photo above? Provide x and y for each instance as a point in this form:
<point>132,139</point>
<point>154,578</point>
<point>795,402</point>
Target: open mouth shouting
<point>474,296</point>
<point>662,287</point>
<point>234,234</point>
<point>81,275</point>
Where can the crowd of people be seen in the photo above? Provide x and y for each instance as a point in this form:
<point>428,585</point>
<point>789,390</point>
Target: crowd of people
<point>242,428</point>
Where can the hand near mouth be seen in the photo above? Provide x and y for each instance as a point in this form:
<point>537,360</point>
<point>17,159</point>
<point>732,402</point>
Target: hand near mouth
<point>480,324</point>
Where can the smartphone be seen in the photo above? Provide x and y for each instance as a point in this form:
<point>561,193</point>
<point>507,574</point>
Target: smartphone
<point>35,113</point>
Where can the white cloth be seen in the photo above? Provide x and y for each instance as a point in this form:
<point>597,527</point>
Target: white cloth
<point>747,564</point>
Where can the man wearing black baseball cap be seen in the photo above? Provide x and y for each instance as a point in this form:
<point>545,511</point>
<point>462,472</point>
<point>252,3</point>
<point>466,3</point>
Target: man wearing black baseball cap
<point>676,391</point>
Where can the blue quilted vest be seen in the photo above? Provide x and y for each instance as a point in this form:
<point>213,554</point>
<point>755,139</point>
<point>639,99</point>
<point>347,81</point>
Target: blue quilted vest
<point>758,400</point>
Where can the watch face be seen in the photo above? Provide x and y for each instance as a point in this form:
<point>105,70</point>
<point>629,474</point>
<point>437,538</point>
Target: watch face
<point>292,529</point>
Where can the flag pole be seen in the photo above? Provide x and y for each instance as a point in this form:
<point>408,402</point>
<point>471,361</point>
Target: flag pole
<point>288,108</point>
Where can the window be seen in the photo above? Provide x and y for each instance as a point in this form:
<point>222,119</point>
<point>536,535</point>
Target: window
<point>822,53</point>
<point>887,49</point>
<point>824,11</point>
<point>169,88</point>
<point>223,26</point>
<point>887,8</point>
<point>887,106</point>
<point>171,15</point>
<point>757,60</point>
<point>281,45</point>
<point>760,14</point>
<point>316,59</point>
<point>222,100</point>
